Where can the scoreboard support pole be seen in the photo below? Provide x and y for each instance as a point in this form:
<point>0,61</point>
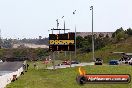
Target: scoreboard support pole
<point>64,33</point>
<point>75,43</point>
<point>53,60</point>
<point>70,58</point>
<point>53,54</point>
<point>65,53</point>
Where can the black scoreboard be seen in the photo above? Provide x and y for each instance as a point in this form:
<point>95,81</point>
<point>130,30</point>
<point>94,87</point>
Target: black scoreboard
<point>62,42</point>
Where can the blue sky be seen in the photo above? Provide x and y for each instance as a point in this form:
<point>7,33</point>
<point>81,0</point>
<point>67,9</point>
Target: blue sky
<point>33,18</point>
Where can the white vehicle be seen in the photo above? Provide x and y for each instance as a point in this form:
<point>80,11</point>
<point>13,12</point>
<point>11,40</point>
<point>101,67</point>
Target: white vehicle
<point>1,60</point>
<point>125,59</point>
<point>130,62</point>
<point>125,62</point>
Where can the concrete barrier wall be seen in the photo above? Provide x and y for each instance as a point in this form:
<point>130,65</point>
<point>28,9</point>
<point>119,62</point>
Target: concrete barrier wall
<point>7,78</point>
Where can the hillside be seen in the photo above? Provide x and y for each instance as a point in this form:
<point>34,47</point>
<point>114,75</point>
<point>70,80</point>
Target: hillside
<point>104,53</point>
<point>123,46</point>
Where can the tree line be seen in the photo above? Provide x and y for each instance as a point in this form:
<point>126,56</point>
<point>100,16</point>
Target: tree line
<point>28,53</point>
<point>84,44</point>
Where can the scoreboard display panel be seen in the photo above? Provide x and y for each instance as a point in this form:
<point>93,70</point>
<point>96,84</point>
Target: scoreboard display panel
<point>52,48</point>
<point>62,42</point>
<point>52,36</point>
<point>63,36</point>
<point>71,36</point>
<point>61,47</point>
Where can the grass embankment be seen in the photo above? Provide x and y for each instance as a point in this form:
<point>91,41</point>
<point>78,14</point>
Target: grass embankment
<point>124,46</point>
<point>65,78</point>
<point>104,53</point>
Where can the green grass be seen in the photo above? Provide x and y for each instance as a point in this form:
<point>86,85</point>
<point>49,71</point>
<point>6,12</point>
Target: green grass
<point>65,78</point>
<point>104,53</point>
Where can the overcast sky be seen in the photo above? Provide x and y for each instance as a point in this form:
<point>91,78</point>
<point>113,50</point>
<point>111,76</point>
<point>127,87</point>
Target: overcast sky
<point>33,18</point>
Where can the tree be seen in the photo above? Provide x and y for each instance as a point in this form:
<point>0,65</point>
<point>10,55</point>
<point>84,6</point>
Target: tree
<point>88,38</point>
<point>117,31</point>
<point>99,43</point>
<point>107,36</point>
<point>129,31</point>
<point>101,35</point>
<point>19,52</point>
<point>41,53</point>
<point>7,43</point>
<point>86,46</point>
<point>79,39</point>
<point>1,53</point>
<point>120,35</point>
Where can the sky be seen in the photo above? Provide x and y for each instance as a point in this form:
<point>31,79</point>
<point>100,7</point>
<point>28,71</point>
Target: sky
<point>33,18</point>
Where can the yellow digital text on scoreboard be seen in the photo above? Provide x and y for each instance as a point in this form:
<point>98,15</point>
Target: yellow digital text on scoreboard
<point>61,42</point>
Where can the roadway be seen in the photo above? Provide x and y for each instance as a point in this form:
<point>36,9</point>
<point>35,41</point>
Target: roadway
<point>8,67</point>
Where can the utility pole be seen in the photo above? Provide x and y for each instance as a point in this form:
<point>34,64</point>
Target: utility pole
<point>53,61</point>
<point>0,40</point>
<point>91,8</point>
<point>53,51</point>
<point>64,31</point>
<point>64,24</point>
<point>58,25</point>
<point>75,35</point>
<point>75,41</point>
<point>70,58</point>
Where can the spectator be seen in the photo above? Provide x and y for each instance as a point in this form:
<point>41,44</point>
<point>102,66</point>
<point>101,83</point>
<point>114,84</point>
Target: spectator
<point>24,67</point>
<point>27,66</point>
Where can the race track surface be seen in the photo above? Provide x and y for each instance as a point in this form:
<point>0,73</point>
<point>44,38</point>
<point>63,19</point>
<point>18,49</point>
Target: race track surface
<point>10,66</point>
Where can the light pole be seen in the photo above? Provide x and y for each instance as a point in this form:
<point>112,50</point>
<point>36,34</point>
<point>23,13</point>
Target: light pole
<point>75,35</point>
<point>58,25</point>
<point>64,24</point>
<point>64,30</point>
<point>0,40</point>
<point>74,11</point>
<point>91,8</point>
